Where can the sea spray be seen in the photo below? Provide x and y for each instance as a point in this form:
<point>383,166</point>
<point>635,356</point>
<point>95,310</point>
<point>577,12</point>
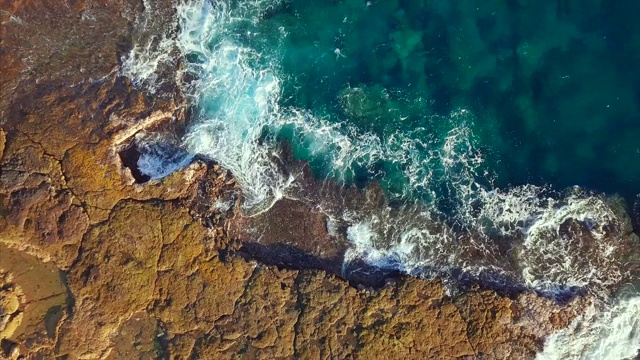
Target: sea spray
<point>236,95</point>
<point>604,332</point>
<point>160,155</point>
<point>153,60</point>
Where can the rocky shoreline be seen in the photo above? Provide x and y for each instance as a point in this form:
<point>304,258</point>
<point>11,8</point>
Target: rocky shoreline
<point>125,268</point>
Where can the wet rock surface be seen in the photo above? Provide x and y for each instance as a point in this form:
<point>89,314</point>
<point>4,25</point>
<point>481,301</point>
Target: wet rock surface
<point>291,234</point>
<point>121,269</point>
<point>33,301</point>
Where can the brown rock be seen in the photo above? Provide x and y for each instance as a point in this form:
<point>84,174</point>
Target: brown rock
<point>195,289</point>
<point>3,140</point>
<point>151,261</point>
<point>502,328</point>
<point>412,321</point>
<point>139,337</point>
<point>114,275</point>
<point>261,325</point>
<point>38,213</point>
<point>329,310</point>
<point>293,223</point>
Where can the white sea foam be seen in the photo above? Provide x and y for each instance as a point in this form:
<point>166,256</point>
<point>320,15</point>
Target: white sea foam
<point>155,50</point>
<point>550,257</point>
<point>237,91</point>
<point>366,246</point>
<point>223,206</point>
<point>602,333</point>
<point>236,96</point>
<point>143,62</point>
<point>406,239</point>
<point>160,156</point>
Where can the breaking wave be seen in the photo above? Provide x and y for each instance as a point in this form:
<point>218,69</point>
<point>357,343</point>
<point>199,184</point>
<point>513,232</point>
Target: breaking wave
<point>601,333</point>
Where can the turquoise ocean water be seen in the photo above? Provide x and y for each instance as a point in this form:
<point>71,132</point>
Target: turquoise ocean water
<point>553,86</point>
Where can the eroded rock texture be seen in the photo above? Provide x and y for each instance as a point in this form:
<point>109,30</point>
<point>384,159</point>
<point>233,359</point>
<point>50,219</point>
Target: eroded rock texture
<point>96,265</point>
<point>150,267</point>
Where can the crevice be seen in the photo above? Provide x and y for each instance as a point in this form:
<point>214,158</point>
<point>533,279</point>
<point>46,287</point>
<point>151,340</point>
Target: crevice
<point>290,257</point>
<point>152,303</point>
<point>39,145</point>
<point>45,298</point>
<point>301,308</point>
<point>467,329</point>
<point>129,156</point>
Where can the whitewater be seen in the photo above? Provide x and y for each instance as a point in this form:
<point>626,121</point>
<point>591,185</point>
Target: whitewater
<point>559,242</point>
